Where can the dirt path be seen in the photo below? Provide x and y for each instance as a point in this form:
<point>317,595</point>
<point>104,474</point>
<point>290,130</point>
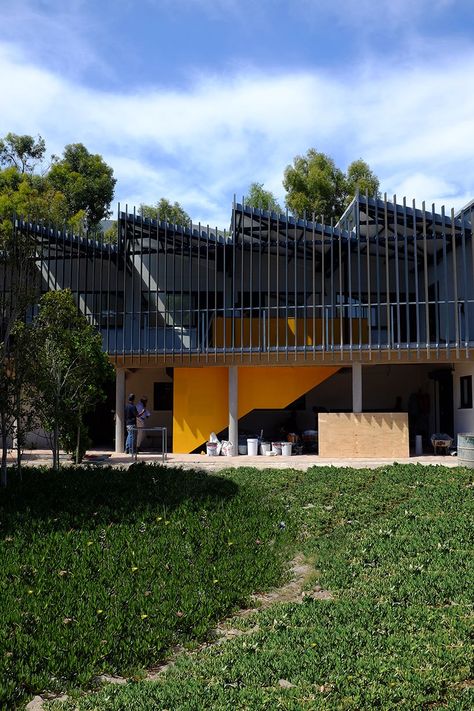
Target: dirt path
<point>301,574</point>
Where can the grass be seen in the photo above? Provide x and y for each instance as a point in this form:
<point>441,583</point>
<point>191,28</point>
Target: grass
<point>394,545</point>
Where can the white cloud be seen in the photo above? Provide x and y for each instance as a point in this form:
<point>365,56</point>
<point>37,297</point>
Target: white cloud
<point>59,34</point>
<point>200,145</point>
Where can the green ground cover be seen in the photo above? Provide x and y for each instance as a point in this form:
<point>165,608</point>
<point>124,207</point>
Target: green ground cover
<point>394,545</point>
<point>104,571</point>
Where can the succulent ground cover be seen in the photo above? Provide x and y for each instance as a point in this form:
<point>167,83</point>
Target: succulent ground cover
<point>103,572</point>
<point>395,547</point>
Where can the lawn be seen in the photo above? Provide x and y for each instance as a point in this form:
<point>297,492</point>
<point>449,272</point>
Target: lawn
<point>163,554</point>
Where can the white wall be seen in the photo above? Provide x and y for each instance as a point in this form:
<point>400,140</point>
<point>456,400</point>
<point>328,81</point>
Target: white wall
<point>463,418</point>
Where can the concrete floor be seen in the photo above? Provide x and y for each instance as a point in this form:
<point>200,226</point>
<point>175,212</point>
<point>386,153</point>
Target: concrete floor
<point>191,461</point>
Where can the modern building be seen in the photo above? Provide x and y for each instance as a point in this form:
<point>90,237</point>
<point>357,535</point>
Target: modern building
<point>281,321</point>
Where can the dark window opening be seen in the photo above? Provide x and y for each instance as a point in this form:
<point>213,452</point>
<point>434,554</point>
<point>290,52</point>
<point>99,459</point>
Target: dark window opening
<point>466,391</point>
<point>163,396</point>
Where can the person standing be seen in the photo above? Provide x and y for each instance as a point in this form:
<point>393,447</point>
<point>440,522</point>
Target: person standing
<point>142,416</point>
<point>131,415</point>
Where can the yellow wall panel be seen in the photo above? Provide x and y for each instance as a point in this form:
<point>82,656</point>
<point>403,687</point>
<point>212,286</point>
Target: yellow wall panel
<point>284,332</point>
<point>277,386</point>
<point>201,396</point>
<point>200,405</point>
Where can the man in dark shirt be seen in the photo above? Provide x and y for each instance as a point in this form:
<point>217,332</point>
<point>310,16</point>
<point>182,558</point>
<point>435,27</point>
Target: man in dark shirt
<point>130,423</point>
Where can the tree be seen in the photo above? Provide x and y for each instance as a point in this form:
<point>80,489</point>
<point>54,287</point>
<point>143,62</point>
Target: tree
<point>21,152</point>
<point>16,415</point>
<point>75,192</point>
<point>87,183</point>
<point>19,287</point>
<point>69,368</point>
<point>260,198</point>
<point>29,196</point>
<point>111,233</point>
<point>166,211</point>
<point>315,185</point>
<point>361,178</point>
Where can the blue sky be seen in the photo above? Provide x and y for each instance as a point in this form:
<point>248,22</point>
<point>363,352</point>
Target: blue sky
<point>195,99</point>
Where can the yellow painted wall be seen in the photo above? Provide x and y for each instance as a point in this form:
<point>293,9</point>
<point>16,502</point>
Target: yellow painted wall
<point>278,386</point>
<point>282,331</point>
<point>201,396</point>
<point>200,405</point>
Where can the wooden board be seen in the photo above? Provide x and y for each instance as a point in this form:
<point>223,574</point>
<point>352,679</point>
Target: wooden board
<point>368,435</point>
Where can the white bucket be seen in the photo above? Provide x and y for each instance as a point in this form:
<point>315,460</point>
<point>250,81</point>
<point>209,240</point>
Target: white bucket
<point>252,447</point>
<point>242,449</point>
<point>276,447</point>
<point>265,447</point>
<point>286,448</point>
<point>211,448</point>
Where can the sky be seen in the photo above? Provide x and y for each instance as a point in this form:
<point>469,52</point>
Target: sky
<point>193,100</point>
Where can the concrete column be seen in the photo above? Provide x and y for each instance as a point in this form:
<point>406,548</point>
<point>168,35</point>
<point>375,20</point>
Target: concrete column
<point>119,410</point>
<point>233,408</point>
<point>357,387</point>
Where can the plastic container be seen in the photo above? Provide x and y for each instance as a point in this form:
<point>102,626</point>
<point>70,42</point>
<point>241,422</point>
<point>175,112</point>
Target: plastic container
<point>286,449</point>
<point>212,449</point>
<point>276,447</point>
<point>242,449</point>
<point>265,447</point>
<point>252,447</point>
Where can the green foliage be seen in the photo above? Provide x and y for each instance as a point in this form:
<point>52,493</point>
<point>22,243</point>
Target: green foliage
<point>111,234</point>
<point>315,185</point>
<point>21,152</point>
<point>86,181</point>
<point>394,546</point>
<point>76,192</point>
<point>104,571</point>
<point>68,366</point>
<point>361,178</point>
<point>166,211</point>
<point>29,196</point>
<point>21,278</point>
<point>260,198</point>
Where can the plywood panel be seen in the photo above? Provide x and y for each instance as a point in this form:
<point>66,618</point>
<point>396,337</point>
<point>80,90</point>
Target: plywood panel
<point>365,435</point>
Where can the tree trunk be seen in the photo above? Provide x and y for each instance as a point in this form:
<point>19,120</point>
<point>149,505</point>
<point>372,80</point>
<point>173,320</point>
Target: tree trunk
<point>78,442</point>
<point>4,473</point>
<point>19,453</point>
<point>19,432</point>
<point>56,448</point>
